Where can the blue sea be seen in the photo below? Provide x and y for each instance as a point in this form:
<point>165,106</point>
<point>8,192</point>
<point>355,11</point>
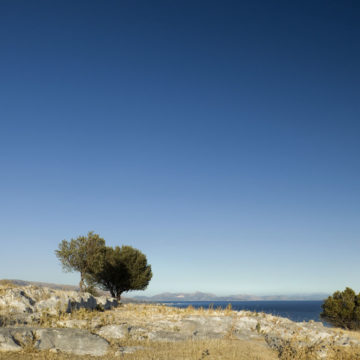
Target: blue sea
<point>293,310</point>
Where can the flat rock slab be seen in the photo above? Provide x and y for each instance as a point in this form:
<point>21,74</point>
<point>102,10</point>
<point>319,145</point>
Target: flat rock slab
<point>114,331</point>
<point>71,341</point>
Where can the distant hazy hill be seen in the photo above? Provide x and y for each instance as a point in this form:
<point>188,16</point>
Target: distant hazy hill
<point>44,284</point>
<point>200,296</point>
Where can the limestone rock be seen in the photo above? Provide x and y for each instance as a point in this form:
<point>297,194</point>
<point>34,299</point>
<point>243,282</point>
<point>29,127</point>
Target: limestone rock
<point>17,300</point>
<point>170,336</point>
<point>72,341</point>
<point>106,302</point>
<point>206,327</point>
<point>33,300</point>
<point>8,341</point>
<point>114,331</point>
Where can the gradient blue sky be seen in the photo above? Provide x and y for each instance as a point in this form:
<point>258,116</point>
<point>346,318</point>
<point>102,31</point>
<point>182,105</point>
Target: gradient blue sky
<point>221,138</point>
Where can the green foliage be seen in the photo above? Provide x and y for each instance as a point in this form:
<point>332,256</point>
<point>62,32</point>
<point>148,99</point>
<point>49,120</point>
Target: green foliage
<point>84,254</point>
<point>124,269</point>
<point>91,289</point>
<point>115,269</point>
<point>342,309</point>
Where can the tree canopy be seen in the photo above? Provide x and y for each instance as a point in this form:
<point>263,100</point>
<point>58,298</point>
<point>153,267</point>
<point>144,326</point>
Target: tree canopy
<point>125,269</point>
<point>117,270</point>
<point>84,254</point>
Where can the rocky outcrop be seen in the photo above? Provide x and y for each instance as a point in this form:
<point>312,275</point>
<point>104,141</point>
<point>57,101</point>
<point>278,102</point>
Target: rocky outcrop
<point>31,300</point>
<point>276,331</point>
<point>68,331</point>
<point>71,341</point>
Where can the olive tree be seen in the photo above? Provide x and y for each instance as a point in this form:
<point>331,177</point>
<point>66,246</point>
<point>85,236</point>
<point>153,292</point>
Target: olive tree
<point>84,254</point>
<point>342,309</point>
<point>124,269</point>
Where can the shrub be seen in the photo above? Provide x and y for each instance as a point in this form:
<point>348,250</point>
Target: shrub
<point>342,309</point>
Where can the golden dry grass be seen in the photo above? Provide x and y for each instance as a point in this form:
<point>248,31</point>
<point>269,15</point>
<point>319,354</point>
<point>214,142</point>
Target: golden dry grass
<point>199,350</point>
<point>298,348</point>
<point>223,349</point>
<point>5,285</point>
<point>189,350</point>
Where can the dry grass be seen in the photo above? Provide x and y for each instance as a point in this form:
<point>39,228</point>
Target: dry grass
<point>134,313</point>
<point>318,352</point>
<point>298,349</point>
<point>5,285</point>
<point>189,350</point>
<point>223,349</point>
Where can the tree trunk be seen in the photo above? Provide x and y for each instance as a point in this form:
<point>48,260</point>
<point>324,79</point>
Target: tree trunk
<point>81,284</point>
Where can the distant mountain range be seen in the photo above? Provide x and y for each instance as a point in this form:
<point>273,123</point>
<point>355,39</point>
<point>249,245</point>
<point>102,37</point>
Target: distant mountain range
<point>200,296</point>
<point>196,296</point>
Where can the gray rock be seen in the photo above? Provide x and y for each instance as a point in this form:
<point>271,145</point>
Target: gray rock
<point>107,303</point>
<point>72,341</point>
<point>10,339</point>
<point>53,305</point>
<point>170,336</point>
<point>206,327</point>
<point>114,331</point>
<point>34,300</point>
<point>17,300</point>
<point>275,342</point>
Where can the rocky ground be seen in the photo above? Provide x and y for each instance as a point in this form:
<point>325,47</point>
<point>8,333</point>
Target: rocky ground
<point>36,319</point>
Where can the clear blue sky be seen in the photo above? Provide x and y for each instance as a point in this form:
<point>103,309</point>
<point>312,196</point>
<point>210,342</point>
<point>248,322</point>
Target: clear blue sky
<point>221,138</point>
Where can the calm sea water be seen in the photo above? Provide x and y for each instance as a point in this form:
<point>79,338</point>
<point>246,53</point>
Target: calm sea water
<point>294,310</point>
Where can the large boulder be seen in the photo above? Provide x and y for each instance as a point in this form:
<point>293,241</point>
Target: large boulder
<point>32,299</point>
<point>71,341</point>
